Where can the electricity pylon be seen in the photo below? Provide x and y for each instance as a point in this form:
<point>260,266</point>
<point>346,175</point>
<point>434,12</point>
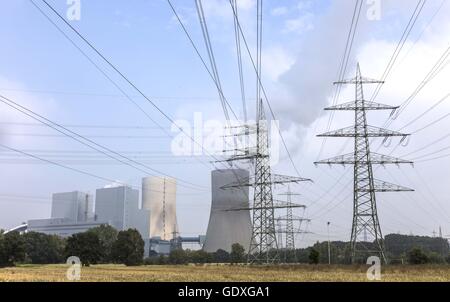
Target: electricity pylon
<point>365,216</point>
<point>263,245</point>
<point>290,231</point>
<point>290,238</point>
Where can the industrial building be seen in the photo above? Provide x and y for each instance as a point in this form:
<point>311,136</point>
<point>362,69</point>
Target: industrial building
<point>76,206</point>
<point>71,213</point>
<point>119,207</point>
<point>228,225</point>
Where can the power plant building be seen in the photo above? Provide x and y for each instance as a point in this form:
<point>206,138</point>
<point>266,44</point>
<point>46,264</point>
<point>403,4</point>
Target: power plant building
<point>227,224</point>
<point>119,207</point>
<point>159,198</point>
<point>75,206</point>
<point>71,213</point>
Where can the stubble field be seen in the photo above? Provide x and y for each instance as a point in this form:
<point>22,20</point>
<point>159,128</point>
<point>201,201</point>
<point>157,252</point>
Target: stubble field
<point>224,273</point>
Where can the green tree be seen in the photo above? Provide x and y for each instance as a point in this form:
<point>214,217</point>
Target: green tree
<point>200,256</point>
<point>107,236</point>
<point>237,254</point>
<point>417,256</point>
<point>12,249</point>
<point>178,256</point>
<point>44,249</point>
<point>86,246</point>
<point>128,248</point>
<point>221,256</point>
<point>314,256</point>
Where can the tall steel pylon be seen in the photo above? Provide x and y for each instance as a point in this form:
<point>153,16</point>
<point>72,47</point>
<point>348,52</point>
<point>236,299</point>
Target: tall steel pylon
<point>290,237</point>
<point>289,230</point>
<point>263,247</point>
<point>263,233</point>
<point>365,215</point>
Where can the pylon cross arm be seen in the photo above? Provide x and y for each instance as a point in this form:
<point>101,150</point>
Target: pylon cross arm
<point>370,131</point>
<point>384,186</point>
<point>365,105</point>
<point>375,158</point>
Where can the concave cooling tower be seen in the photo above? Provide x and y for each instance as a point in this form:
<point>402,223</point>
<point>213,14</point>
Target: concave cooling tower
<point>159,196</point>
<point>227,227</point>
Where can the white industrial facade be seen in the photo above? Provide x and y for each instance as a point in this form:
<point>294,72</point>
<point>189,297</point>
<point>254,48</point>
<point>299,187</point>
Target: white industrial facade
<point>119,207</point>
<point>227,226</point>
<point>116,206</point>
<point>76,206</point>
<point>159,197</point>
<point>62,227</point>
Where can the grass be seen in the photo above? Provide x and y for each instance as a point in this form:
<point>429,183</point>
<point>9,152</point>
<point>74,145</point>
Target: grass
<point>224,273</point>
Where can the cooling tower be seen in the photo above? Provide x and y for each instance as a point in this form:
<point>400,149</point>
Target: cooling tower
<point>159,197</point>
<point>228,227</point>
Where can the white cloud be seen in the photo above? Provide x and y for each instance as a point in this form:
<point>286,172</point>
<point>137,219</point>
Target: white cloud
<point>300,24</point>
<point>276,61</point>
<point>279,11</point>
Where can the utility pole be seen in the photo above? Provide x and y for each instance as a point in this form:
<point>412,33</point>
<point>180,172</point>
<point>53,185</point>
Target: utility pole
<point>329,247</point>
<point>365,215</point>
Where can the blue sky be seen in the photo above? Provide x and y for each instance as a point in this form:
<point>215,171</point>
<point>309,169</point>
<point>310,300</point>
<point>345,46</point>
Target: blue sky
<point>303,43</point>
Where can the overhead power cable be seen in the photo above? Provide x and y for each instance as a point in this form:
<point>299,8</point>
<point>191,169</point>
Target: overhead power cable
<point>239,60</point>
<point>85,141</point>
<point>124,77</point>
<point>400,45</point>
<point>343,66</point>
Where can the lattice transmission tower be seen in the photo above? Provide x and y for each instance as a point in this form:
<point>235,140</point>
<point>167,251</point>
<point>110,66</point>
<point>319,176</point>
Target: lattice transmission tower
<point>365,216</point>
<point>263,246</point>
<point>287,228</point>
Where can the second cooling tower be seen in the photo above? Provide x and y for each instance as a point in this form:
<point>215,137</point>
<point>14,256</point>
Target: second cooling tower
<point>159,196</point>
<point>226,224</point>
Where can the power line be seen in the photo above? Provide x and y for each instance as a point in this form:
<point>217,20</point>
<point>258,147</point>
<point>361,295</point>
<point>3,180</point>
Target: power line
<point>434,71</point>
<point>263,90</point>
<point>214,74</point>
<point>425,112</point>
<point>400,45</point>
<point>118,72</point>
<point>59,165</point>
<point>343,65</point>
<point>81,139</point>
<point>239,60</point>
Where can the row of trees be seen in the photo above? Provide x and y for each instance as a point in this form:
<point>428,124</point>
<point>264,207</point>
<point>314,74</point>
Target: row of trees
<point>180,256</point>
<point>399,249</point>
<point>102,244</point>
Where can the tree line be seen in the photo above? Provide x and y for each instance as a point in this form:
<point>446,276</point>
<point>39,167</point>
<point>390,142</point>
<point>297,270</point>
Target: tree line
<point>102,244</point>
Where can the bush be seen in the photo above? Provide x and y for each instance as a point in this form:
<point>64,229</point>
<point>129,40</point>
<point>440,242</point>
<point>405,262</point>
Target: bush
<point>200,256</point>
<point>44,249</point>
<point>12,249</point>
<point>86,246</point>
<point>107,236</point>
<point>128,248</point>
<point>417,256</point>
<point>178,256</point>
<point>237,254</point>
<point>221,256</point>
<point>314,256</point>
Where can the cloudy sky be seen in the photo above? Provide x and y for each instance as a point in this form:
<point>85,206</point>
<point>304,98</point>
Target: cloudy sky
<point>303,46</point>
